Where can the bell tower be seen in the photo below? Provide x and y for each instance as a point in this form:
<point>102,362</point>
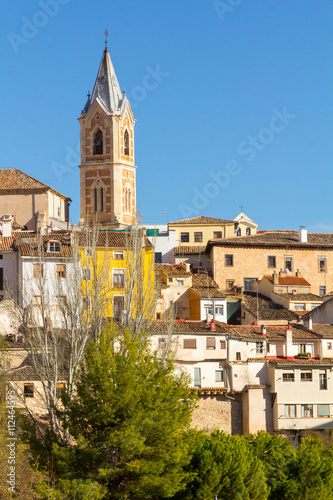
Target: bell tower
<point>107,170</point>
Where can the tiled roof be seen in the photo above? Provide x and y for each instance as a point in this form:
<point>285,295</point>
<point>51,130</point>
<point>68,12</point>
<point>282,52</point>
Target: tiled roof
<point>14,179</point>
<point>202,220</point>
<point>172,269</point>
<point>203,280</point>
<point>187,326</point>
<point>268,309</point>
<point>32,245</point>
<point>25,372</point>
<point>273,239</point>
<point>121,239</point>
<point>304,297</point>
<point>6,244</point>
<point>314,362</point>
<point>189,250</point>
<point>324,331</point>
<point>208,292</point>
<point>272,332</point>
<point>288,280</point>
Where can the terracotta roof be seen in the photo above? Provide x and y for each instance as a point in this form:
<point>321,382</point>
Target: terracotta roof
<point>273,239</point>
<point>187,326</point>
<point>203,220</point>
<point>187,250</point>
<point>268,309</point>
<point>324,331</point>
<point>203,280</point>
<point>314,362</point>
<point>6,244</point>
<point>26,372</point>
<point>208,292</point>
<point>252,332</point>
<point>304,297</point>
<point>32,245</point>
<point>14,179</point>
<point>172,269</point>
<point>121,239</point>
<point>288,280</point>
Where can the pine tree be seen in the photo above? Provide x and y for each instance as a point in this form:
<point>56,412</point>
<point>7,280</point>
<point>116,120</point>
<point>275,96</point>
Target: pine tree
<point>129,418</point>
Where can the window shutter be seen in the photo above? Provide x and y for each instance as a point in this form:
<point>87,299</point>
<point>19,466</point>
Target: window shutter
<point>210,342</point>
<point>190,343</point>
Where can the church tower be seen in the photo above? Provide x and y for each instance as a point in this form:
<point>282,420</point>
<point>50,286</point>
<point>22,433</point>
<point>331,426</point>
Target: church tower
<point>107,170</point>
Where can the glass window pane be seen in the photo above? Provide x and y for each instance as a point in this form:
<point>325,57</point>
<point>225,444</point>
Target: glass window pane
<point>323,410</point>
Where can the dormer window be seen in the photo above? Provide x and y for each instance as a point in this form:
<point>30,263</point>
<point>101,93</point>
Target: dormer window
<point>54,246</point>
<point>98,143</point>
<point>126,143</point>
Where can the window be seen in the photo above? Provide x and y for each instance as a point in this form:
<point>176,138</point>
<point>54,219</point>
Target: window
<point>299,307</point>
<point>329,346</point>
<point>322,290</point>
<point>180,282</point>
<point>306,376</point>
<point>322,264</point>
<point>210,343</point>
<point>209,309</point>
<point>288,263</point>
<point>239,232</point>
<point>290,411</point>
<point>259,347</point>
<point>95,199</point>
<point>102,200</point>
<point>197,377</point>
<point>60,388</point>
<point>230,284</point>
<point>98,143</point>
<point>249,284</point>
<point>60,270</point>
<point>158,315</point>
<point>184,237</point>
<point>28,390</point>
<point>169,280</point>
<point>128,199</point>
<point>238,356</point>
<point>268,347</point>
<point>322,380</point>
<point>197,237</point>
<point>190,343</point>
<point>54,246</point>
<point>302,349</point>
<point>86,273</point>
<point>118,278</point>
<point>271,261</point>
<point>248,231</point>
<point>118,255</point>
<point>85,302</point>
<point>218,375</point>
<point>323,410</point>
<point>158,257</point>
<point>38,270</point>
<point>222,344</point>
<point>217,234</point>
<point>126,143</point>
<point>288,376</point>
<point>306,410</point>
<point>118,306</point>
<point>219,310</point>
<point>229,260</point>
<point>1,256</point>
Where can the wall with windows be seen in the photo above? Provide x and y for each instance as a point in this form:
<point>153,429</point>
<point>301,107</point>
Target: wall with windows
<point>252,263</point>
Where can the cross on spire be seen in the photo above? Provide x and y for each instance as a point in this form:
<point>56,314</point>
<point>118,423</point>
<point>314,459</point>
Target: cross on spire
<point>106,33</point>
<point>241,207</point>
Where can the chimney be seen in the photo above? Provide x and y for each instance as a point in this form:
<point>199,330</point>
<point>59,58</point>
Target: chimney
<point>6,227</point>
<point>308,323</point>
<point>275,278</point>
<point>263,331</point>
<point>212,326</point>
<point>208,317</point>
<point>302,235</point>
<point>298,273</point>
<point>289,343</point>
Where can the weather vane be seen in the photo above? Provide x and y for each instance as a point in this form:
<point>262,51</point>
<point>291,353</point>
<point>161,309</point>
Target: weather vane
<point>106,33</point>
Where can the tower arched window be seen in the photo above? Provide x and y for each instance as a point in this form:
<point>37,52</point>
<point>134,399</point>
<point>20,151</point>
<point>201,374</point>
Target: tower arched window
<point>98,143</point>
<point>248,231</point>
<point>95,199</point>
<point>126,143</point>
<point>102,200</point>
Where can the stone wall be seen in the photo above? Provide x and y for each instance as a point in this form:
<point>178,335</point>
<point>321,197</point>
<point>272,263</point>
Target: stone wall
<point>219,412</point>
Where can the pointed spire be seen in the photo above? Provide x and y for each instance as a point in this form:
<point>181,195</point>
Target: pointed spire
<point>106,86</point>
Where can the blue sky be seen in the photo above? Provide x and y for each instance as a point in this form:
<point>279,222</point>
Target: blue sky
<point>241,113</point>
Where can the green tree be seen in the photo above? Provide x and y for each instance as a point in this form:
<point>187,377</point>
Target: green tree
<point>225,466</point>
<point>130,419</point>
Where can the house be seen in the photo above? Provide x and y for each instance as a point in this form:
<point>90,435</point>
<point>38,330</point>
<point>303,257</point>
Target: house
<point>245,260</point>
<point>290,290</point>
<point>29,202</point>
<point>164,241</point>
<point>193,235</point>
<point>207,300</point>
<point>323,313</point>
<point>173,283</point>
